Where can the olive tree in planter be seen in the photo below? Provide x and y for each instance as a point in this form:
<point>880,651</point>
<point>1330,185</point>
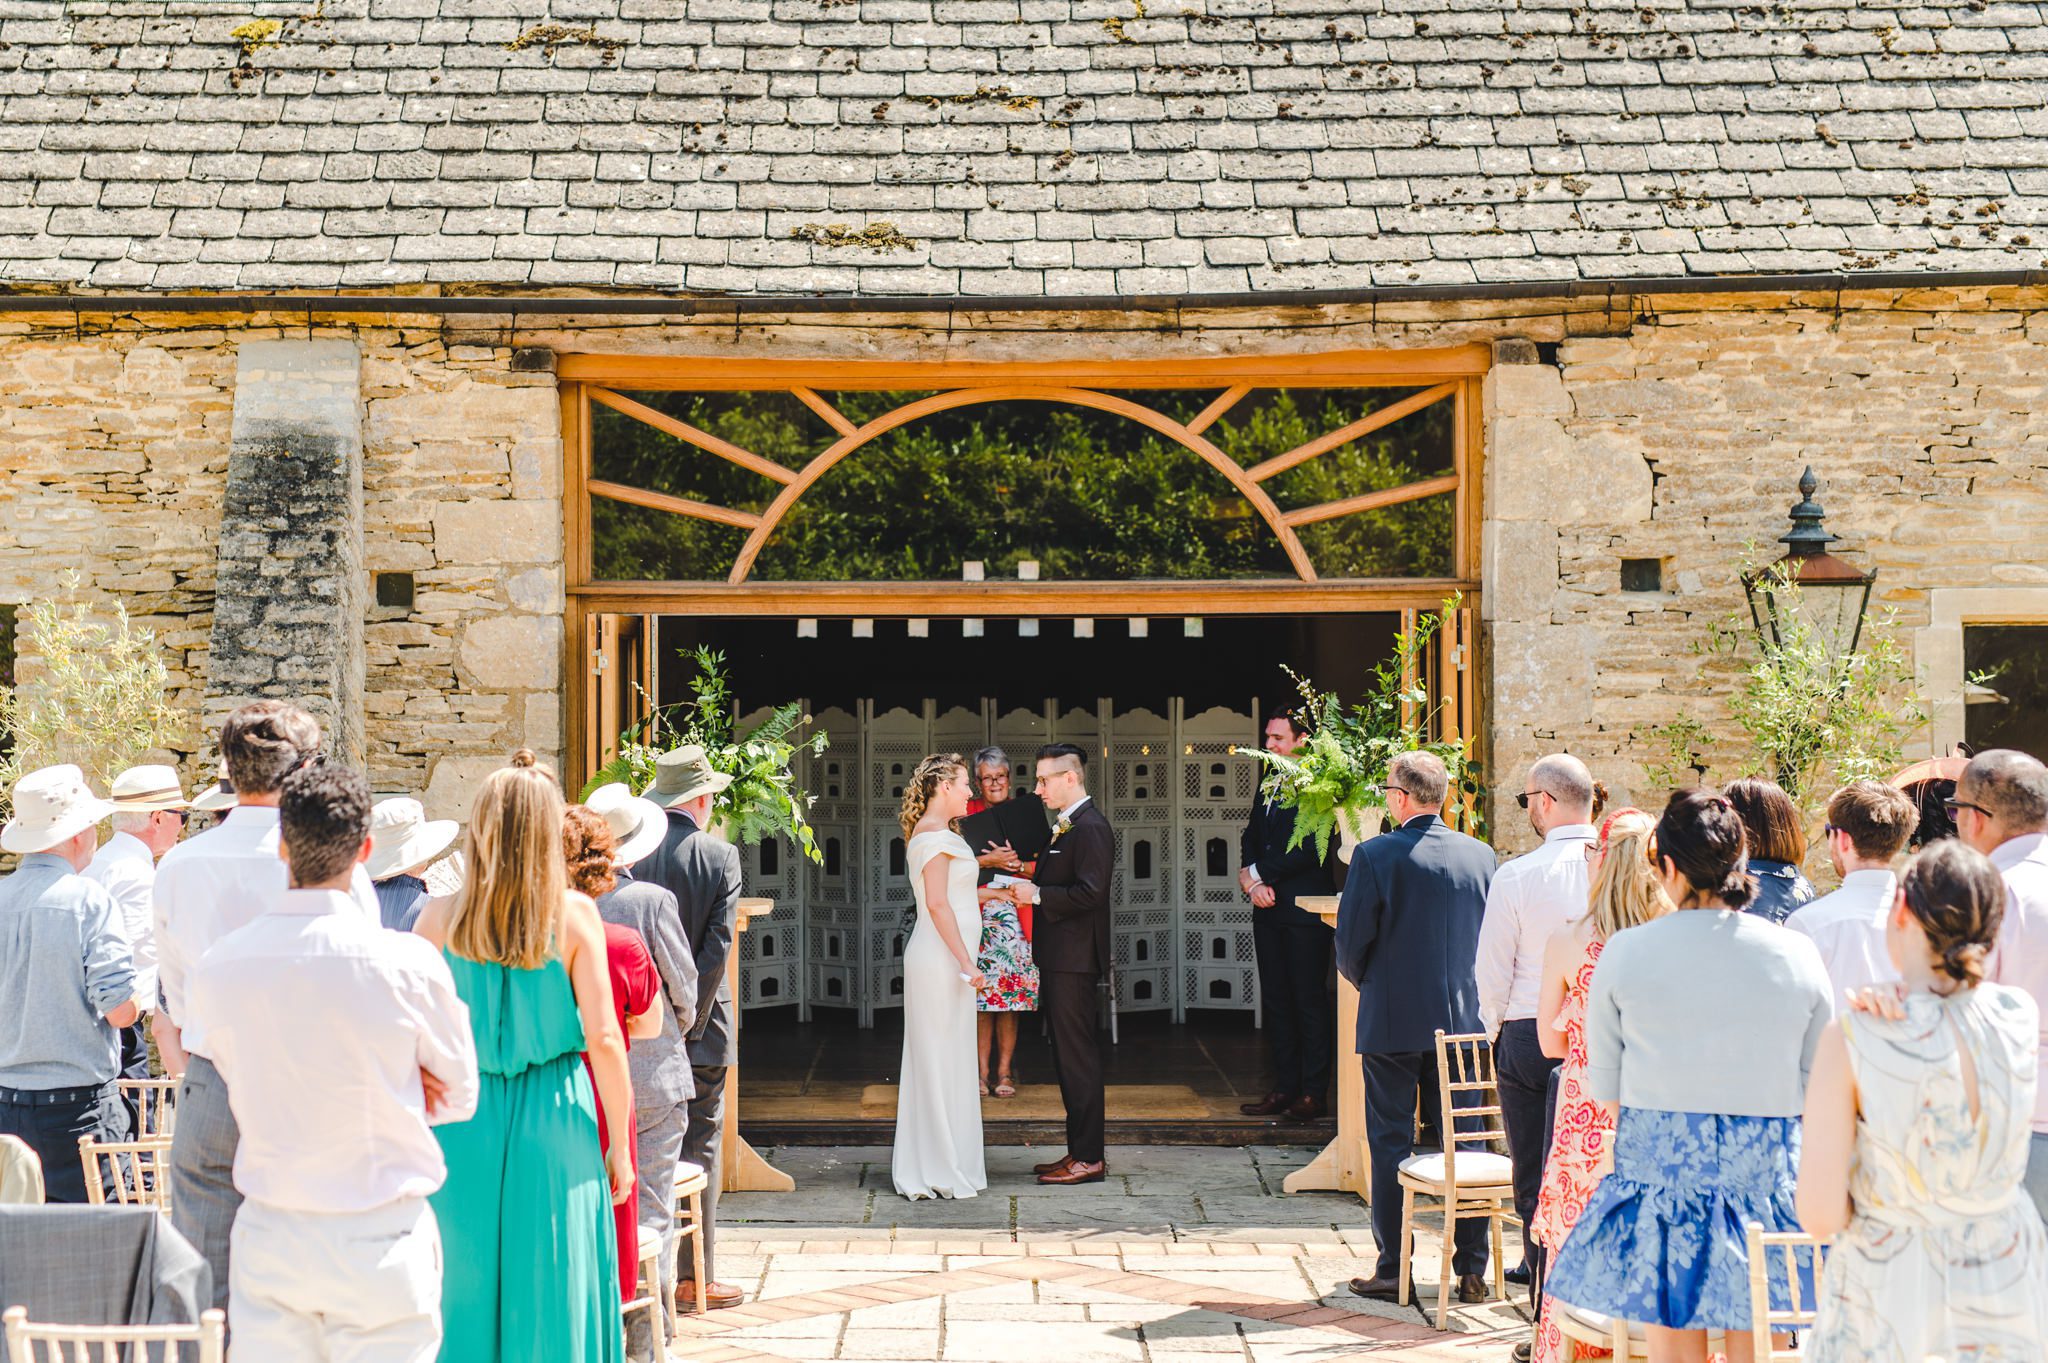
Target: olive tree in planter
<point>764,800</point>
<point>95,694</point>
<point>1332,782</point>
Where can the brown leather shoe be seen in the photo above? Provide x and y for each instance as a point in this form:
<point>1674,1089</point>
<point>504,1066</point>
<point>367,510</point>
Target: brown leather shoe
<point>1386,1288</point>
<point>1307,1108</point>
<point>1054,1166</point>
<point>1272,1105</point>
<point>1077,1171</point>
<point>1472,1289</point>
<point>717,1296</point>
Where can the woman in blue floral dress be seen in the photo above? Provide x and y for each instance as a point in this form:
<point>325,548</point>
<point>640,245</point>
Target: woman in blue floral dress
<point>1700,1029</point>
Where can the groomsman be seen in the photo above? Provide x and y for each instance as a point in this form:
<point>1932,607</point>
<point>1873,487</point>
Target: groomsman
<point>1070,939</point>
<point>1296,1004</point>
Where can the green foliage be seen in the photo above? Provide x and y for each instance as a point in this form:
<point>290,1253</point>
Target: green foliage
<point>96,694</point>
<point>1343,760</point>
<point>1086,493</point>
<point>763,800</point>
<point>1806,716</point>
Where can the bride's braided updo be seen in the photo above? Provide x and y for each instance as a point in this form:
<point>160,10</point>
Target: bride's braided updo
<point>931,773</point>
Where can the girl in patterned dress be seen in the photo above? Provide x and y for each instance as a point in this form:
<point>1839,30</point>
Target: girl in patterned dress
<point>1917,1129</point>
<point>1624,894</point>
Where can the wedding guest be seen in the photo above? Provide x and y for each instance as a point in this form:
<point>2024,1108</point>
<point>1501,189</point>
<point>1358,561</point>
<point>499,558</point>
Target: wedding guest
<point>68,975</point>
<point>1005,959</point>
<point>1625,894</point>
<point>1776,845</point>
<point>2001,809</point>
<point>336,1249</point>
<point>587,848</point>
<point>531,1258</point>
<point>149,815</point>
<point>1916,1139</point>
<point>1407,937</point>
<point>1297,1008</point>
<point>1700,1028</point>
<point>403,840</point>
<point>703,873</point>
<point>660,1064</point>
<point>1869,824</point>
<point>1531,897</point>
<point>206,887</point>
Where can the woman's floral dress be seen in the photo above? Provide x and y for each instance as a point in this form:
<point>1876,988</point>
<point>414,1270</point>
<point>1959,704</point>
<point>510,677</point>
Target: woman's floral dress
<point>1005,959</point>
<point>1581,1150</point>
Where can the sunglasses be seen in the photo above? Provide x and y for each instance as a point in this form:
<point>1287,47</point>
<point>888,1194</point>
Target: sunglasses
<point>1384,790</point>
<point>1527,795</point>
<point>1950,806</point>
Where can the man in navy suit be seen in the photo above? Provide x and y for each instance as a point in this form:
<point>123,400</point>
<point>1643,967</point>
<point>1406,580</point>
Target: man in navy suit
<point>1408,937</point>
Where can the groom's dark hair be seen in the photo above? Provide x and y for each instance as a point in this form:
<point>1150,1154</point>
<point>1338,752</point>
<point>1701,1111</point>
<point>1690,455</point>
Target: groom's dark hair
<point>1056,751</point>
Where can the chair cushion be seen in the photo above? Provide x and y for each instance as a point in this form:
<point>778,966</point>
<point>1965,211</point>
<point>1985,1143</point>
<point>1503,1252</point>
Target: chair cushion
<point>1476,1168</point>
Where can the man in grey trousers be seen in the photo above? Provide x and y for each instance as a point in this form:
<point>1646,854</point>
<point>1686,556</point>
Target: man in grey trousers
<point>662,1083</point>
<point>703,873</point>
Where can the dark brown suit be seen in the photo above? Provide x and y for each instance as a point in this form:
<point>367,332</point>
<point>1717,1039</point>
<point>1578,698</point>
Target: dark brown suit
<point>1070,941</point>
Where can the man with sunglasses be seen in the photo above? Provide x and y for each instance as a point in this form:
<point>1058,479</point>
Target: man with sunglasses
<point>2001,809</point>
<point>1530,898</point>
<point>149,816</point>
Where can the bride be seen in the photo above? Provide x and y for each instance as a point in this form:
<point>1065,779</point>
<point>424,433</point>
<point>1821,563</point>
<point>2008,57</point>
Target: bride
<point>938,1112</point>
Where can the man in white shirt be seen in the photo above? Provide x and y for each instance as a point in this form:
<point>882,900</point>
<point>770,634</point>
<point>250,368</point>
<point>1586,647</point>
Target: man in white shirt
<point>1530,898</point>
<point>206,887</point>
<point>2001,809</point>
<point>336,1251</point>
<point>1869,824</point>
<point>149,814</point>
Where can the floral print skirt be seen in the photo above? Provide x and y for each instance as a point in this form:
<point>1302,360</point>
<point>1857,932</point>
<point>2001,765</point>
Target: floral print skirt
<point>1005,959</point>
<point>1664,1240</point>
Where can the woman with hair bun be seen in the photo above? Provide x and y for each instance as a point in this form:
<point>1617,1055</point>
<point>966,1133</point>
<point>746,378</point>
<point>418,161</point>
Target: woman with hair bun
<point>1700,1027</point>
<point>1917,1128</point>
<point>938,1151</point>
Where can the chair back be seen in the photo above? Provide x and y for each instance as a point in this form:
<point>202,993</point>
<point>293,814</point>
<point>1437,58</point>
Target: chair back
<point>1464,1066</point>
<point>156,1104</point>
<point>21,1173</point>
<point>1774,1257</point>
<point>139,1171</point>
<point>36,1342</point>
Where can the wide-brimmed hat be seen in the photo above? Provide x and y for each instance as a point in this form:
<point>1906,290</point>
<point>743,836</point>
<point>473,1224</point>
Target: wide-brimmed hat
<point>637,823</point>
<point>144,789</point>
<point>683,775</point>
<point>402,836</point>
<point>216,797</point>
<point>51,805</point>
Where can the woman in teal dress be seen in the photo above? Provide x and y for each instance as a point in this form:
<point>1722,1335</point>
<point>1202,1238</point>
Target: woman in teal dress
<point>530,1255</point>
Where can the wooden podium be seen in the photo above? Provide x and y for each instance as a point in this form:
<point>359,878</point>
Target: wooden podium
<point>744,1169</point>
<point>1343,1165</point>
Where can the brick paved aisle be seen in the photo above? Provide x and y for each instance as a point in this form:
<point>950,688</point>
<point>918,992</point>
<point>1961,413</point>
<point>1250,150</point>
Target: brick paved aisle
<point>1184,1256</point>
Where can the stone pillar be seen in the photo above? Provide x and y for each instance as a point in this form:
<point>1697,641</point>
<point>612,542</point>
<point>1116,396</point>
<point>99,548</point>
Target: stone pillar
<point>288,608</point>
<point>1546,491</point>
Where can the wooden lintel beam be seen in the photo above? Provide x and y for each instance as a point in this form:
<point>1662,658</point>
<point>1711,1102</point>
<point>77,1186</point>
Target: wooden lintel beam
<point>681,506</point>
<point>1369,501</point>
<point>1344,435</point>
<point>703,440</point>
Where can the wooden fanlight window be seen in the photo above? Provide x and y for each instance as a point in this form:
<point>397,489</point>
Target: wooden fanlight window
<point>1283,450</point>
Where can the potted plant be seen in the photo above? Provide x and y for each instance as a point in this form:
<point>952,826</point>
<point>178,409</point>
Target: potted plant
<point>764,799</point>
<point>1332,782</point>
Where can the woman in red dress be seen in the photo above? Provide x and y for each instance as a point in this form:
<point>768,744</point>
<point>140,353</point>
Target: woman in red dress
<point>587,845</point>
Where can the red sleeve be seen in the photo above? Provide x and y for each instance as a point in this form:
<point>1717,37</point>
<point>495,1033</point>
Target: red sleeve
<point>635,981</point>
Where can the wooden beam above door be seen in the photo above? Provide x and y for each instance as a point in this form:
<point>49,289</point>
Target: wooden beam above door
<point>887,599</point>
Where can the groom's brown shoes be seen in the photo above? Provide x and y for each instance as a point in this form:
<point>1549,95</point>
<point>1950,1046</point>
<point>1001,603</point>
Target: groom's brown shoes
<point>1077,1171</point>
<point>1054,1167</point>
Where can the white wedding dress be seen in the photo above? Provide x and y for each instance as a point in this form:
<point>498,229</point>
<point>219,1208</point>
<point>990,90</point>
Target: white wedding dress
<point>938,1108</point>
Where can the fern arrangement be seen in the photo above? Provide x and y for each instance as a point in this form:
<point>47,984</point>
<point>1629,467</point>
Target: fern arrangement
<point>764,799</point>
<point>1341,764</point>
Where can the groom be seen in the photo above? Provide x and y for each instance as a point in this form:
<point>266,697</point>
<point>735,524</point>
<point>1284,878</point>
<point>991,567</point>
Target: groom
<point>1070,938</point>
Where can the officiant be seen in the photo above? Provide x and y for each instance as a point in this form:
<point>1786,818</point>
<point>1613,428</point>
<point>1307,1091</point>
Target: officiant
<point>1008,833</point>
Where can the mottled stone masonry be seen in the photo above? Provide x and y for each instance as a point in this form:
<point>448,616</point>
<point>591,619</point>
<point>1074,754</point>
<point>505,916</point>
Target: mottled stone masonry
<point>1025,147</point>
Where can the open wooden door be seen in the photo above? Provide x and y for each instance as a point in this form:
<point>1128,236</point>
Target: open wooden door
<point>619,687</point>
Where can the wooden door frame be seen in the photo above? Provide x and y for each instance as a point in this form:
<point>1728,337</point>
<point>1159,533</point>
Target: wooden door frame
<point>586,598</point>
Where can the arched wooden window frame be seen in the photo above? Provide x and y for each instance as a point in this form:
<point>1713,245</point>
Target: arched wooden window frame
<point>1450,375</point>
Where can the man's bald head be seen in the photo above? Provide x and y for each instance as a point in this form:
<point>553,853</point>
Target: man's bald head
<point>2007,792</point>
<point>1569,785</point>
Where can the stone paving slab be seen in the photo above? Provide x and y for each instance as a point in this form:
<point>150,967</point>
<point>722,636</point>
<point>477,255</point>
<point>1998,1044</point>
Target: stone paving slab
<point>836,1271</point>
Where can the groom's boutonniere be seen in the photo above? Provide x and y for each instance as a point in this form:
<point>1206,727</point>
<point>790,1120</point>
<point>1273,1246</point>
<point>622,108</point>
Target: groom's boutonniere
<point>1064,825</point>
